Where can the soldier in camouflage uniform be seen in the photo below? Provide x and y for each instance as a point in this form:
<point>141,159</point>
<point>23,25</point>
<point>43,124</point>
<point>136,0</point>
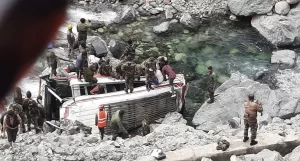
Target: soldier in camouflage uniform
<point>150,70</point>
<point>105,68</point>
<point>82,29</point>
<point>129,70</point>
<point>119,72</point>
<point>42,113</point>
<point>250,118</point>
<point>138,69</point>
<point>129,52</point>
<point>19,110</point>
<point>18,96</point>
<point>31,110</point>
<point>211,84</point>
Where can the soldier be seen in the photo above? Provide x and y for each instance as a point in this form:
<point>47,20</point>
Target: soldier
<point>212,84</point>
<point>89,74</point>
<point>138,69</point>
<point>119,72</point>
<point>250,118</point>
<point>82,29</point>
<point>106,68</point>
<point>19,110</point>
<point>129,70</point>
<point>81,62</point>
<point>52,62</point>
<point>31,110</point>
<point>118,124</point>
<point>18,96</point>
<point>41,111</point>
<point>129,52</point>
<point>71,39</point>
<point>150,69</point>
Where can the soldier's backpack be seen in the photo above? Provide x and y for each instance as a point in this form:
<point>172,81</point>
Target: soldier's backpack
<point>32,108</point>
<point>12,121</point>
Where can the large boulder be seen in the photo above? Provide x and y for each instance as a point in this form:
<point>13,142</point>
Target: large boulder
<point>117,47</point>
<point>293,1</point>
<point>189,21</point>
<point>231,96</point>
<point>287,57</point>
<point>280,30</point>
<point>250,7</point>
<point>127,15</point>
<point>161,28</point>
<point>294,155</point>
<point>282,8</point>
<point>265,155</point>
<point>174,118</point>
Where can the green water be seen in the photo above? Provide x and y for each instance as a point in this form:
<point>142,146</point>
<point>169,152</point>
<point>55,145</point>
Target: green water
<point>226,46</point>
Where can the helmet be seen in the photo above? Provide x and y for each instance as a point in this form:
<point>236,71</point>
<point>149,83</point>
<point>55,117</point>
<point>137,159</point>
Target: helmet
<point>70,26</point>
<point>101,107</point>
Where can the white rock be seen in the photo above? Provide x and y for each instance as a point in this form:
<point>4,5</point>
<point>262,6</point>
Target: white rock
<point>174,118</point>
<point>277,120</point>
<point>206,159</point>
<point>161,28</point>
<point>282,8</point>
<point>284,57</point>
<point>293,1</point>
<point>250,7</point>
<point>294,156</point>
<point>233,17</point>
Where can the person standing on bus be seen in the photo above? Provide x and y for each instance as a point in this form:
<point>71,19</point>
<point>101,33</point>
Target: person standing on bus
<point>129,70</point>
<point>101,120</point>
<point>167,70</point>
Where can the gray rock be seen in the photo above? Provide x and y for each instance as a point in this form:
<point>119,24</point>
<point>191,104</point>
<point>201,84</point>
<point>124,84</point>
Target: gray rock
<point>280,30</point>
<point>233,17</point>
<point>233,93</point>
<point>264,120</point>
<point>161,28</point>
<point>168,12</point>
<point>92,139</point>
<point>189,21</point>
<point>174,118</point>
<point>116,47</point>
<point>42,158</point>
<point>282,8</point>
<point>4,144</point>
<point>234,123</point>
<point>154,11</point>
<point>127,15</point>
<point>264,155</point>
<point>284,57</point>
<point>294,155</point>
<point>206,159</point>
<point>277,120</point>
<point>73,130</point>
<point>288,122</point>
<point>148,158</point>
<point>293,1</point>
<point>250,7</point>
<point>71,158</point>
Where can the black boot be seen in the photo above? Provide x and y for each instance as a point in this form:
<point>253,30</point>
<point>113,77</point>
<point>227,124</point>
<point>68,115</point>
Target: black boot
<point>253,142</point>
<point>147,86</point>
<point>246,139</point>
<point>210,101</point>
<point>151,87</point>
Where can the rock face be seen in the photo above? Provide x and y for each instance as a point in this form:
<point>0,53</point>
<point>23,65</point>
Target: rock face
<point>233,93</point>
<point>250,7</point>
<point>282,8</point>
<point>284,57</point>
<point>280,30</point>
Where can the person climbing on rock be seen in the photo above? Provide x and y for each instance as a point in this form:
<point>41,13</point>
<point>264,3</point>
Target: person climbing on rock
<point>129,52</point>
<point>52,62</point>
<point>250,118</point>
<point>81,62</point>
<point>11,122</point>
<point>31,110</point>
<point>82,29</point>
<point>211,84</point>
<point>71,39</point>
<point>129,70</point>
<point>167,70</point>
<point>101,120</point>
<point>118,124</point>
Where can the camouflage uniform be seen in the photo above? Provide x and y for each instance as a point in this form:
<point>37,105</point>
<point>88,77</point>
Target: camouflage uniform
<point>129,71</point>
<point>250,118</point>
<point>211,85</point>
<point>150,69</point>
<point>19,110</point>
<point>31,109</point>
<point>52,62</point>
<point>119,72</point>
<point>42,115</point>
<point>82,29</point>
<point>118,126</point>
<point>71,40</point>
<point>88,75</point>
<point>105,68</point>
<point>129,52</point>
